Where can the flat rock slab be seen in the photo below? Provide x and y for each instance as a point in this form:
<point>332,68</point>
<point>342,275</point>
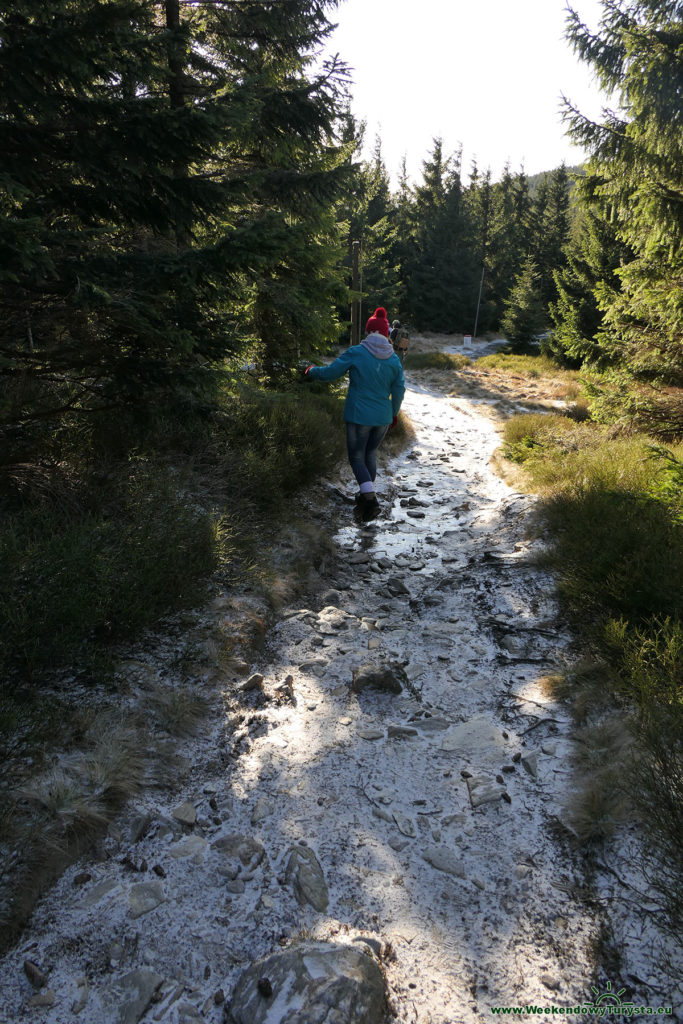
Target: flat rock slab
<point>99,891</point>
<point>311,983</point>
<point>185,814</point>
<point>405,825</point>
<point>263,809</point>
<point>431,725</point>
<point>478,739</point>
<point>144,897</point>
<point>370,734</point>
<point>132,994</point>
<point>444,859</point>
<point>315,665</point>
<point>188,847</point>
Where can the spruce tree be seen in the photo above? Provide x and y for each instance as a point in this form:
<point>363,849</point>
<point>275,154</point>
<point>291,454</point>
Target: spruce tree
<point>638,152</point>
<point>425,293</point>
<point>587,281</point>
<point>478,207</point>
<point>404,233</point>
<point>170,170</point>
<point>378,238</point>
<point>287,161</point>
<point>504,258</point>
<point>551,231</point>
<point>442,268</point>
<point>524,315</point>
<point>89,206</point>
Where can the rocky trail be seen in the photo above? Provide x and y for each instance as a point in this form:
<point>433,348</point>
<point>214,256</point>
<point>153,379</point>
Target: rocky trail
<point>383,798</point>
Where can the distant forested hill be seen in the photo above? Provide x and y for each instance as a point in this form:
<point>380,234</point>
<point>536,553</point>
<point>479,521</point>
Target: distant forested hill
<point>534,180</point>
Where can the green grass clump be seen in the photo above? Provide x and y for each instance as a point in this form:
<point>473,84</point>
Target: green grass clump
<point>527,365</point>
<point>614,511</point>
<point>534,432</point>
<point>436,361</point>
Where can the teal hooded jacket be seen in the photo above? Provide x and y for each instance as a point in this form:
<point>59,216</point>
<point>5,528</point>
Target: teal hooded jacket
<point>376,382</point>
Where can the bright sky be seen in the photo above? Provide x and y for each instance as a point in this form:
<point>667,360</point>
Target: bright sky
<point>487,74</point>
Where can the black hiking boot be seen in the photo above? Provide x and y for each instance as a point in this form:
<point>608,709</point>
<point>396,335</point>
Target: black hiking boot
<point>367,507</point>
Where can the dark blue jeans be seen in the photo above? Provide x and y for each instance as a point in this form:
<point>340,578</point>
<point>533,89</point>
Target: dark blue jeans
<point>361,444</point>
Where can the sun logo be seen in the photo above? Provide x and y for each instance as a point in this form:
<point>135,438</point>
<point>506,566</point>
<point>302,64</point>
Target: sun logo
<point>608,997</point>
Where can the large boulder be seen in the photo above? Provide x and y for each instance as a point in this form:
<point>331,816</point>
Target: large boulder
<point>311,983</point>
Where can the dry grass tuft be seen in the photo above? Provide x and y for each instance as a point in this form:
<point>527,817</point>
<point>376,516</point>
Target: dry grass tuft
<point>597,809</point>
<point>401,436</point>
<point>177,710</point>
<point>603,758</point>
<point>55,816</point>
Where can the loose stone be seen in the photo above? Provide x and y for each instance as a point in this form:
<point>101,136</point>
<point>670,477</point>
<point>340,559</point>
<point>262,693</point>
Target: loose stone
<point>145,897</point>
<point>397,586</point>
<point>376,677</point>
<point>249,852</point>
<point>35,975</point>
<point>401,731</point>
<point>483,791</point>
<point>254,682</point>
<point>405,825</point>
<point>306,877</point>
<point>43,999</point>
<point>185,814</point>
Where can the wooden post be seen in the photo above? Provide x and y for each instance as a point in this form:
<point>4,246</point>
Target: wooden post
<point>355,302</point>
<point>476,319</point>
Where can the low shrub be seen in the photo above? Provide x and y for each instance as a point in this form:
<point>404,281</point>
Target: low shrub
<point>436,361</point>
<point>74,579</point>
<point>138,537</point>
<point>274,443</point>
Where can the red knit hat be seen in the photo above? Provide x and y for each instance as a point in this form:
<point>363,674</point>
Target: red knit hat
<point>378,322</point>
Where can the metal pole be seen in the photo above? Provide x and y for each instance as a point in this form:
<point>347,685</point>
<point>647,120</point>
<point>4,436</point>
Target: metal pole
<point>476,319</point>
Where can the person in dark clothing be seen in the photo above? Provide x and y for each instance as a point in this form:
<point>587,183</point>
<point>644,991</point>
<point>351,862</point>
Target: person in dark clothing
<point>376,390</point>
<point>399,338</point>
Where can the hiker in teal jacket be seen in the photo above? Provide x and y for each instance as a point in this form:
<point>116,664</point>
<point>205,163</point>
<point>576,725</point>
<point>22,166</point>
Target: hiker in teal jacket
<point>376,390</point>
